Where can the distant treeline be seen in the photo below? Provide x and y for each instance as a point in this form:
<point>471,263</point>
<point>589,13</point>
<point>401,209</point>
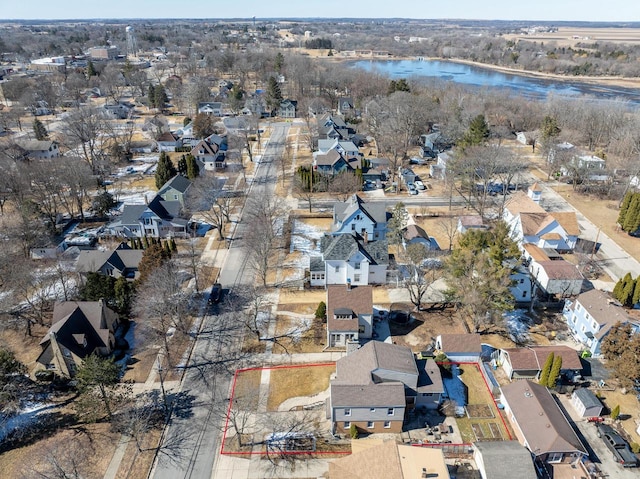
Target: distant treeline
<point>319,43</point>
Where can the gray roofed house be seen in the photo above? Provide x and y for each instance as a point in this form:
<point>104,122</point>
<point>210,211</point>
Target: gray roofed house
<point>346,106</point>
<point>334,162</point>
<point>503,460</point>
<point>356,215</point>
<point>210,108</point>
<point>78,329</point>
<point>175,189</point>
<point>119,262</point>
<point>374,384</point>
<point>347,148</point>
<point>158,219</point>
<point>540,424</point>
<point>414,234</point>
<point>39,148</point>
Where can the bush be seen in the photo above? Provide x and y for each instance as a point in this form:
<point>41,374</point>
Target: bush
<point>353,431</point>
<point>635,447</point>
<point>615,412</point>
<point>44,375</point>
<point>321,310</point>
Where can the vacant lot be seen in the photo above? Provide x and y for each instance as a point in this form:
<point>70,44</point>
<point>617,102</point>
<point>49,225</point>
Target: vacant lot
<point>302,381</point>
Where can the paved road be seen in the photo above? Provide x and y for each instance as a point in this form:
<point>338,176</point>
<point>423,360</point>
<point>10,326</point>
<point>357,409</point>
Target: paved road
<point>192,439</point>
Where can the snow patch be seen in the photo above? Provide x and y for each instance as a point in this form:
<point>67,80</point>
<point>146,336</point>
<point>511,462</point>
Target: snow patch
<point>518,324</point>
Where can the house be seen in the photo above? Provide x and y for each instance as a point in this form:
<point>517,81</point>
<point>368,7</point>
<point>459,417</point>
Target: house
<point>530,223</point>
<point>414,234</point>
<point>210,108</point>
<point>350,259</point>
<point>349,314</point>
<point>586,403</point>
<point>469,222</point>
<point>540,425</point>
<point>520,284</point>
<point>118,111</point>
<point>375,384</point>
<point>591,316</point>
<point>356,215</point>
<point>386,459</point>
<point>175,189</point>
<point>527,363</point>
<point>333,162</point>
<point>346,106</point>
<point>556,277</point>
<point>503,460</point>
<point>158,219</point>
<point>344,147</point>
<point>334,127</point>
<point>168,141</point>
<point>143,146</point>
<point>120,262</point>
<point>78,329</point>
<point>288,108</point>
<point>37,149</point>
<point>460,348</point>
<point>377,169</point>
<point>583,162</point>
<point>408,176</point>
<point>211,152</point>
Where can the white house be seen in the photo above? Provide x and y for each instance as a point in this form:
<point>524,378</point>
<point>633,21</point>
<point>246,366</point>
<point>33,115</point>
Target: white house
<point>39,148</point>
<point>357,216</point>
<point>158,219</point>
<point>557,277</point>
<point>460,348</point>
<point>213,108</point>
<point>521,285</point>
<point>586,403</point>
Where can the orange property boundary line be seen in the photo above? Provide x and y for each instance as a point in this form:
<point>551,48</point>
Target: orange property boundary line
<point>233,391</point>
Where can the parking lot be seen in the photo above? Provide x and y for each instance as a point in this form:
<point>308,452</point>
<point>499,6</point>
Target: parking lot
<point>596,447</point>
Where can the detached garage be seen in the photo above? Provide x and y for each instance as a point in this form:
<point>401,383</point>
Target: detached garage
<point>586,403</point>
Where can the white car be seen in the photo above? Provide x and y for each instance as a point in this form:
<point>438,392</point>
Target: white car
<point>419,185</point>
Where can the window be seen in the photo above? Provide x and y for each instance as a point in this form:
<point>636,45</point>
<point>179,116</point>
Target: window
<point>524,294</point>
<point>370,424</point>
<point>353,227</point>
<point>390,411</point>
<point>521,280</point>
<point>582,328</point>
<point>51,366</point>
<point>426,394</point>
<point>578,307</point>
<point>347,424</point>
<point>387,424</point>
<point>66,353</point>
<point>372,409</point>
<point>356,278</point>
<point>594,325</point>
<point>347,411</point>
<point>356,266</point>
<point>337,269</point>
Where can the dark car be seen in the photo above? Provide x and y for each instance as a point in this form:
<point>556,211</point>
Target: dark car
<point>216,293</point>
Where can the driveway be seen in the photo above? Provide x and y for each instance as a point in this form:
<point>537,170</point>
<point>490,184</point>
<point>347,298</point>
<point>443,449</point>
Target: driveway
<point>598,451</point>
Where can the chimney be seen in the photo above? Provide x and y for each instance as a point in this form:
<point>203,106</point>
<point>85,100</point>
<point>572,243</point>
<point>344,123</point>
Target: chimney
<point>348,284</point>
<point>365,235</point>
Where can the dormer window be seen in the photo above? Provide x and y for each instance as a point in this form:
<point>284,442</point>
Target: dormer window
<point>343,313</point>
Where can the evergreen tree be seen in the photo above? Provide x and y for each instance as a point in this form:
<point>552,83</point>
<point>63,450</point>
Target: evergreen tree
<point>97,380</point>
<point>186,121</point>
<point>39,130</point>
<point>151,96</point>
<point>632,216</point>
<point>321,310</point>
<point>182,166</point>
<point>624,207</point>
<point>399,85</point>
<point>615,412</point>
<point>123,291</point>
<point>167,247</point>
<point>193,170</point>
<point>159,97</point>
<point>165,170</point>
<point>397,223</point>
<point>172,243</point>
<point>626,295</point>
<point>153,257</point>
<point>91,71</point>
<point>546,370</point>
<point>478,131</point>
<point>145,243</point>
<point>550,129</point>
<point>278,62</point>
<point>555,372</point>
<point>132,243</point>
<point>274,94</point>
<point>636,292</point>
<point>617,289</point>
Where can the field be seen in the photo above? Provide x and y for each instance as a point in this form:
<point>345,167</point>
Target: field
<point>570,36</point>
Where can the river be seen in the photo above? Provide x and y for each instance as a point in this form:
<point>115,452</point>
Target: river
<point>474,76</point>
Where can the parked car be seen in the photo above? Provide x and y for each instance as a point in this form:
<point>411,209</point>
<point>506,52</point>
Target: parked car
<point>418,161</point>
<point>412,190</point>
<point>216,293</point>
<point>420,185</point>
<point>622,454</point>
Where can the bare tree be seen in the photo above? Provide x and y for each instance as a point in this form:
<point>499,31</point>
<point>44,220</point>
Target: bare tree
<point>344,185</point>
<point>421,271</point>
<point>82,131</point>
<point>208,199</point>
<point>449,226</point>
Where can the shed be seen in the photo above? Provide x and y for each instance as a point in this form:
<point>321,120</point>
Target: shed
<point>586,403</point>
<point>460,348</point>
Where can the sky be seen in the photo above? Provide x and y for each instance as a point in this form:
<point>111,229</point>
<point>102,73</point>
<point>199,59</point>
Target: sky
<point>553,10</point>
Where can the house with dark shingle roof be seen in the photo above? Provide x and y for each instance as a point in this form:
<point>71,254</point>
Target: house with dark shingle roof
<point>158,219</point>
<point>527,363</point>
<point>540,424</point>
<point>168,142</point>
<point>78,329</point>
<point>122,261</point>
<point>350,259</point>
<point>175,189</point>
<point>333,162</point>
<point>211,152</point>
<point>349,314</point>
<point>375,384</point>
<point>586,403</point>
<point>39,148</point>
<point>356,215</point>
<point>591,316</point>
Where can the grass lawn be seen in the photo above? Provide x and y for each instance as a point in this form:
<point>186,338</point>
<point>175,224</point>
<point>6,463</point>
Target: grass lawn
<point>143,361</point>
<point>309,341</point>
<point>477,393</point>
<point>137,464</point>
<point>297,382</point>
<point>247,385</point>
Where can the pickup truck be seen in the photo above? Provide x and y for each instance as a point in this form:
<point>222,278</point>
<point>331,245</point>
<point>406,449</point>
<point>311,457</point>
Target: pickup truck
<point>617,445</point>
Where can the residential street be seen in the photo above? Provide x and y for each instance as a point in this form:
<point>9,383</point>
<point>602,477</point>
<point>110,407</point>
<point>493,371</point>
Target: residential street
<point>191,443</point>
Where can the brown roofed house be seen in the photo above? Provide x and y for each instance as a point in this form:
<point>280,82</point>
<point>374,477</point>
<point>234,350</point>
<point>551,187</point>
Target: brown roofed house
<point>78,329</point>
<point>519,363</point>
<point>460,348</point>
<point>349,314</point>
